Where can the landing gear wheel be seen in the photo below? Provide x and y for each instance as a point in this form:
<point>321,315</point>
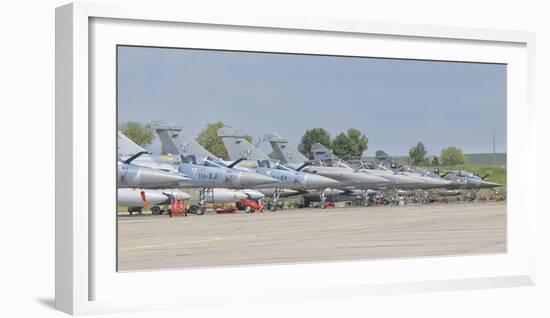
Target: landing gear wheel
<point>323,205</point>
<point>131,210</point>
<point>192,209</point>
<point>155,210</point>
<point>272,208</point>
<point>248,209</point>
<point>201,210</point>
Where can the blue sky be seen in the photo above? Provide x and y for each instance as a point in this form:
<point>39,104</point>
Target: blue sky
<point>396,103</point>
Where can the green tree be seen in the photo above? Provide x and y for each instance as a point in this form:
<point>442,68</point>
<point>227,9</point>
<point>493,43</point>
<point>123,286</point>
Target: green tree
<point>417,153</point>
<point>137,132</point>
<point>341,146</point>
<point>208,138</point>
<point>350,145</point>
<point>451,156</point>
<point>312,136</point>
<point>435,161</point>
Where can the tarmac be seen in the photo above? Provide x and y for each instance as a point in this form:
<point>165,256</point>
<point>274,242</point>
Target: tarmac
<point>310,235</point>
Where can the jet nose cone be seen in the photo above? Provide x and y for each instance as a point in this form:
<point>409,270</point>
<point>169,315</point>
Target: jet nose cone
<point>255,179</point>
<point>317,181</point>
<point>489,184</point>
<point>152,177</point>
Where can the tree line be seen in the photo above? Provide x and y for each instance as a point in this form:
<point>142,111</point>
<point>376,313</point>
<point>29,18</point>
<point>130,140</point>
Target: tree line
<point>449,156</point>
<point>351,144</point>
<point>348,145</point>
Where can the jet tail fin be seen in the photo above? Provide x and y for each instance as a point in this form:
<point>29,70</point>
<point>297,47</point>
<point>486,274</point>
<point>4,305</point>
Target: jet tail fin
<point>238,147</point>
<point>127,149</point>
<point>321,152</point>
<point>175,142</point>
<point>283,151</point>
<point>382,157</point>
<point>168,135</point>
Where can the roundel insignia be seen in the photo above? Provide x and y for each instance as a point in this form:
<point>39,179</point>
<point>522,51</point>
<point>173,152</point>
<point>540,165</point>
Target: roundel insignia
<point>194,169</point>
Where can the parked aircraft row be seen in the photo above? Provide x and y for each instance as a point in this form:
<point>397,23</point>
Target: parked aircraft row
<point>252,174</point>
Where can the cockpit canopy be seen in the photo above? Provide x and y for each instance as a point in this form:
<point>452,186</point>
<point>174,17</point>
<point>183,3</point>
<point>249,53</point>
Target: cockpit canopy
<point>264,163</point>
<point>273,164</point>
<point>207,161</point>
<point>191,159</point>
<point>464,174</point>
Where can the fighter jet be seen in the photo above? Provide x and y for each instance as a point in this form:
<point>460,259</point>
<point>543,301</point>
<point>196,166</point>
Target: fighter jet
<point>174,141</point>
<point>456,179</point>
<point>238,147</point>
<point>349,178</point>
<point>451,183</point>
<point>206,176</point>
<point>467,180</point>
<point>428,180</point>
<point>397,180</point>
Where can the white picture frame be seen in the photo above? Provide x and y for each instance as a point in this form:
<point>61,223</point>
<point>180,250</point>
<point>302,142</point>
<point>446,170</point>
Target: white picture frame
<point>85,279</point>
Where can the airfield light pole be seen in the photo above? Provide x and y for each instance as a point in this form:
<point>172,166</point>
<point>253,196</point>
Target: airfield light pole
<point>494,148</point>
